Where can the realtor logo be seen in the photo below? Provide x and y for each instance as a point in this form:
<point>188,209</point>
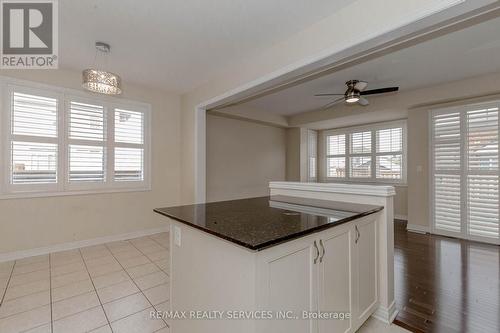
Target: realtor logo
<point>29,34</point>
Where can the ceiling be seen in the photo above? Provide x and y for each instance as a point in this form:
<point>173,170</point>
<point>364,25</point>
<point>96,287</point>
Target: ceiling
<point>178,45</point>
<point>458,55</point>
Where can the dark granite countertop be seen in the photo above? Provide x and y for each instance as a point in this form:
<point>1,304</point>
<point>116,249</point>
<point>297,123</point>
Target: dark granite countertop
<point>259,223</point>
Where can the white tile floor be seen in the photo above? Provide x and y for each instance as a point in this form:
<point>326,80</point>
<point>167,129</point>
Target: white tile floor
<point>99,289</point>
<point>104,288</point>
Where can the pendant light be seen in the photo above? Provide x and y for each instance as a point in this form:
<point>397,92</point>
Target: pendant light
<point>98,80</point>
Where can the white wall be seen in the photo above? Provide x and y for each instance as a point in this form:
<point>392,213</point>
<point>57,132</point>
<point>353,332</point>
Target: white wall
<point>242,158</point>
<point>38,222</point>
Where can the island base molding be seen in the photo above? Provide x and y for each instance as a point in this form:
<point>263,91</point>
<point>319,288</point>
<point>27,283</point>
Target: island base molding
<point>386,314</point>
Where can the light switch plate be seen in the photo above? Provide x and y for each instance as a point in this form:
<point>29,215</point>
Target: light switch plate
<point>177,236</point>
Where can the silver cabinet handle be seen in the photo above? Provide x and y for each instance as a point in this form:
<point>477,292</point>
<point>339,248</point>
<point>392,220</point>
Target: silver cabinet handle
<point>358,235</point>
<point>323,248</point>
<point>317,252</point>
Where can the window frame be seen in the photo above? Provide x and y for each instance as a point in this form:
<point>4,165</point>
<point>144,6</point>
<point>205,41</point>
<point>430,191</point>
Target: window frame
<point>372,128</point>
<point>64,98</point>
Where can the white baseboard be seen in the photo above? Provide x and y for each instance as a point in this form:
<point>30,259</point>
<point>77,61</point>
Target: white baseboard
<point>419,229</point>
<point>78,244</point>
<point>386,315</point>
<point>401,217</point>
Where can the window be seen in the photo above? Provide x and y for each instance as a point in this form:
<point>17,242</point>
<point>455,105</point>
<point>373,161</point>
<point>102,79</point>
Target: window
<point>129,145</point>
<point>372,153</point>
<point>312,143</point>
<point>86,142</point>
<point>58,141</point>
<point>33,142</point>
<point>336,156</point>
<point>465,184</point>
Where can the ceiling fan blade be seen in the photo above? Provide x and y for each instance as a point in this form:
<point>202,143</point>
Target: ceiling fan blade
<point>320,95</point>
<point>326,106</point>
<point>379,91</point>
<point>363,101</point>
<point>360,85</point>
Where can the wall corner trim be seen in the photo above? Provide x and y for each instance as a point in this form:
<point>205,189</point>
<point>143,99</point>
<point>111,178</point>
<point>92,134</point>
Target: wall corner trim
<point>386,315</point>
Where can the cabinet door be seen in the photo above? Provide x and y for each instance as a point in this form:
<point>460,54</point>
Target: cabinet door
<point>335,280</point>
<point>290,284</point>
<point>365,269</point>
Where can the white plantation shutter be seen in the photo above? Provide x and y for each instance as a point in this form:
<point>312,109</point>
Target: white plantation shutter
<point>34,115</point>
<point>389,160</point>
<point>63,142</point>
<point>33,139</point>
<point>447,202</point>
<point>129,145</point>
<point>482,182</point>
<point>129,126</point>
<point>86,121</point>
<point>361,167</point>
<point>312,154</point>
<point>361,142</point>
<point>360,160</point>
<point>86,163</point>
<point>336,156</point>
<point>370,153</point>
<point>483,206</point>
<point>447,163</point>
<point>128,164</point>
<point>86,142</point>
<point>465,172</point>
<point>33,163</point>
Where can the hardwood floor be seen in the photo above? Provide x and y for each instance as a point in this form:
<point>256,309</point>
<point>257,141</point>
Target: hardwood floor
<point>445,284</point>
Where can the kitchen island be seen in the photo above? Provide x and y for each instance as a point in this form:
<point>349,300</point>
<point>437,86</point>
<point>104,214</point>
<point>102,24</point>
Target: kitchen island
<point>283,263</point>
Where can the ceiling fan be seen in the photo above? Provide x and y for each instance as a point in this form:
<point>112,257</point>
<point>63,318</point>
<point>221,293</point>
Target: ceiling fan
<point>355,92</point>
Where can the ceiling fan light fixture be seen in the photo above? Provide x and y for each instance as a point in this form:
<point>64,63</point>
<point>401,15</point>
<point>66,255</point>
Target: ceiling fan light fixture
<point>352,97</point>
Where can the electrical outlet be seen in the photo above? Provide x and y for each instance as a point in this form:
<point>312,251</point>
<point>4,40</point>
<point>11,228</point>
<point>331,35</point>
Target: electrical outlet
<point>177,236</point>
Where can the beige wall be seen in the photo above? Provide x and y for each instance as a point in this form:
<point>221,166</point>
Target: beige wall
<point>413,105</point>
<point>38,222</point>
<point>296,154</point>
<point>242,158</point>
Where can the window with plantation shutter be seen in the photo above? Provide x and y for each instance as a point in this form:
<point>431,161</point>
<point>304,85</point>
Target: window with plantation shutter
<point>360,154</point>
<point>482,172</point>
<point>370,153</point>
<point>389,160</point>
<point>465,172</point>
<point>312,154</point>
<point>33,139</point>
<point>129,145</point>
<point>336,156</point>
<point>63,142</point>
<point>86,142</point>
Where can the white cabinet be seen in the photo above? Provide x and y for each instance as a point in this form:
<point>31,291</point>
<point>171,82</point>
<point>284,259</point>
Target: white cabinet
<point>334,292</point>
<point>333,271</point>
<point>289,283</point>
<point>365,270</point>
